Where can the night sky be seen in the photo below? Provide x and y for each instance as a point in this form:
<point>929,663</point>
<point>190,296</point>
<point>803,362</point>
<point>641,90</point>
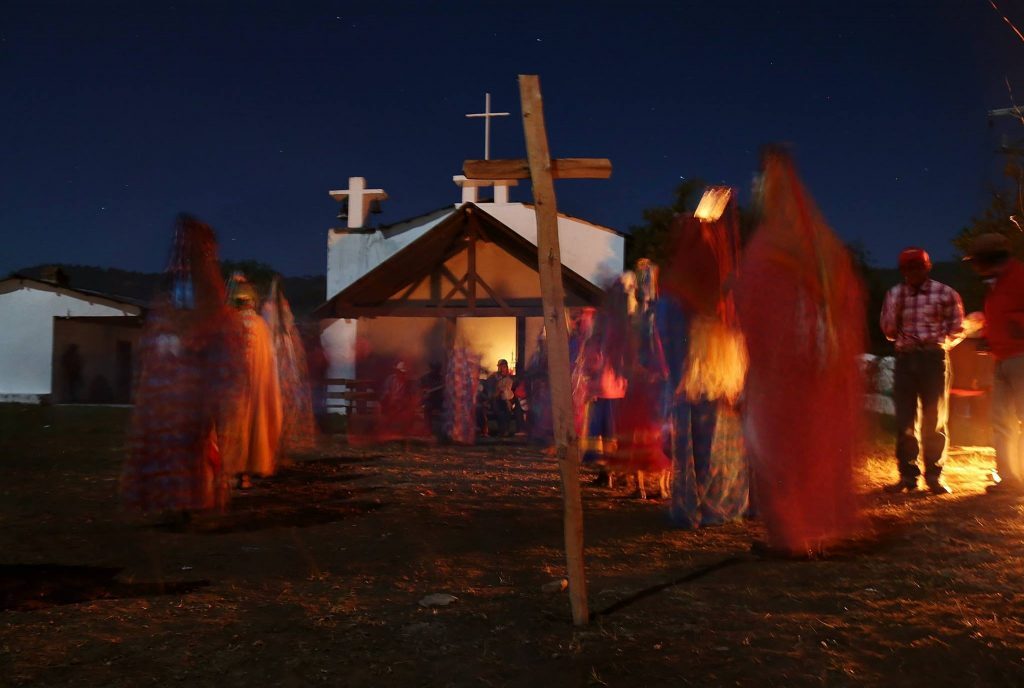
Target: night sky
<point>116,116</point>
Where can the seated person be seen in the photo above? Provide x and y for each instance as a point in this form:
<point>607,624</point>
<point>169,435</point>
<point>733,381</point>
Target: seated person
<point>501,386</point>
<point>432,386</point>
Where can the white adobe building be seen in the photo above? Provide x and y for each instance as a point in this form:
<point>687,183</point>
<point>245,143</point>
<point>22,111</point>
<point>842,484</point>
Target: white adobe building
<point>28,311</point>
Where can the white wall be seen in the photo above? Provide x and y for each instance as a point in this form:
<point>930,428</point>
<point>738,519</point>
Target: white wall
<point>352,255</point>
<point>349,257</point>
<point>26,335</point>
<point>338,339</point>
<point>589,250</point>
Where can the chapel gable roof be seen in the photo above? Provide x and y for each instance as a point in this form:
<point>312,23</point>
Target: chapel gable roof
<point>369,295</point>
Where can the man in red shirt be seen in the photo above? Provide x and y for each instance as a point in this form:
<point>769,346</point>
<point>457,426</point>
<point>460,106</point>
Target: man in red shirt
<point>989,255</point>
<point>924,319</point>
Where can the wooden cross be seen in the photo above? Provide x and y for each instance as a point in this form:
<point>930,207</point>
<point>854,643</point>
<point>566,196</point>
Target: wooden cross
<point>359,199</point>
<point>487,115</point>
<point>542,171</point>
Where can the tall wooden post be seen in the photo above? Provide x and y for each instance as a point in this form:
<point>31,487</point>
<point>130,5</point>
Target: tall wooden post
<point>542,170</point>
<point>553,296</point>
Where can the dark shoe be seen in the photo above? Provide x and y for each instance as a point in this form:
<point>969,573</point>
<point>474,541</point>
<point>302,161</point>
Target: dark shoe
<point>902,485</point>
<point>938,487</point>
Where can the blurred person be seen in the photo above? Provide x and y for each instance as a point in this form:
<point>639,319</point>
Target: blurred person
<point>252,431</point>
<point>502,400</point>
<point>581,332</point>
<point>537,391</point>
<point>646,285</point>
<point>401,407</point>
<point>639,447</point>
<point>298,428</point>
<point>606,358</point>
<point>924,319</point>
<point>189,370</point>
<point>462,380</point>
<point>432,386</point>
<point>801,307</point>
<point>707,361</point>
<point>318,367</point>
<point>71,372</point>
<point>990,256</point>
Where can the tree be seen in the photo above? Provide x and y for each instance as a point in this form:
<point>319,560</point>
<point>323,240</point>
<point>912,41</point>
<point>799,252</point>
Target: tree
<point>1001,216</point>
<point>651,239</point>
<point>1004,215</point>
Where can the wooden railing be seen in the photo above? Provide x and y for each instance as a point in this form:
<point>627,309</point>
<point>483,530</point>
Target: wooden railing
<point>356,398</point>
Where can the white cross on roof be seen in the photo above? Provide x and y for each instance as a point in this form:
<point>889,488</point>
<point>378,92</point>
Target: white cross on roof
<point>359,199</point>
<point>487,115</point>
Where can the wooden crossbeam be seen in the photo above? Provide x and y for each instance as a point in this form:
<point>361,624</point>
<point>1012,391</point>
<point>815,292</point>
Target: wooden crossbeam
<point>501,302</point>
<point>452,278</point>
<point>484,309</point>
<point>411,288</point>
<point>562,168</point>
<point>451,293</point>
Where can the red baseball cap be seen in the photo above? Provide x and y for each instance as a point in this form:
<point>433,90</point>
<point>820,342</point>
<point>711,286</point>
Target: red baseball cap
<point>914,256</point>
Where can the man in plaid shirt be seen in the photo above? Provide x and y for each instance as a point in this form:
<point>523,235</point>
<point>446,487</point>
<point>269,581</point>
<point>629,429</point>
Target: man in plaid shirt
<point>925,320</point>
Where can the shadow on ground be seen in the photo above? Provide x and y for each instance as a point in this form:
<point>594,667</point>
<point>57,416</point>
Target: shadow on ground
<point>30,587</point>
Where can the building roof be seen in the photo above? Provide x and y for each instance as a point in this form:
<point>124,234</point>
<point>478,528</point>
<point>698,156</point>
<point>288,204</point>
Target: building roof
<point>17,281</point>
<point>417,220</point>
<point>603,228</point>
<point>106,320</point>
<point>369,294</point>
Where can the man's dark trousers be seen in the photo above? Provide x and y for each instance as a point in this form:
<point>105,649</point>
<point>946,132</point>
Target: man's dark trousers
<point>920,377</point>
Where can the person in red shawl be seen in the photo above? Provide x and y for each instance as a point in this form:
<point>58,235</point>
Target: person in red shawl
<point>401,407</point>
<point>189,370</point>
<point>298,430</point>
<point>607,360</point>
<point>801,308</point>
<point>639,444</point>
<point>462,381</point>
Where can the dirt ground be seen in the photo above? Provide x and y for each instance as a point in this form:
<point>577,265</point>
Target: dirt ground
<point>315,578</point>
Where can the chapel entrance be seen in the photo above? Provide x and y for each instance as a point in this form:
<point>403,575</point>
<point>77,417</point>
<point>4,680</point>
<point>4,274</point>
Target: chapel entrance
<point>490,338</point>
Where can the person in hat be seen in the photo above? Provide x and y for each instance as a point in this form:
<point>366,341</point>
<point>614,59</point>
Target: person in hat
<point>252,433</point>
<point>989,255</point>
<point>924,319</point>
<point>501,386</point>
